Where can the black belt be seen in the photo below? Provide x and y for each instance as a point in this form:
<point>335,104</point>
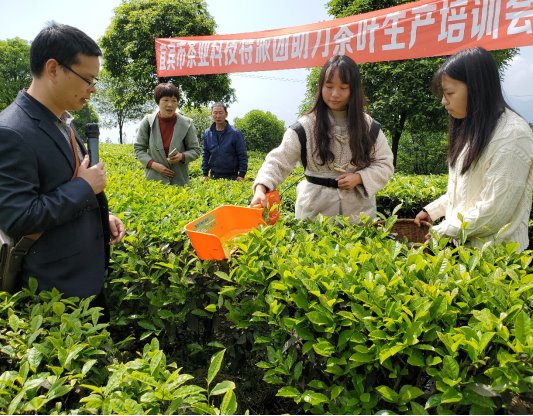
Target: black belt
<point>329,182</point>
<point>224,176</point>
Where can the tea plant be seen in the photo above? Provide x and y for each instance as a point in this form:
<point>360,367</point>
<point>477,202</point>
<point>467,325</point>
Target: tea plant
<point>350,321</point>
<point>57,358</point>
<point>331,317</point>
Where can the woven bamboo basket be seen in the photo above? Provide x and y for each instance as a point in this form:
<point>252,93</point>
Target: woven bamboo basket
<point>405,228</point>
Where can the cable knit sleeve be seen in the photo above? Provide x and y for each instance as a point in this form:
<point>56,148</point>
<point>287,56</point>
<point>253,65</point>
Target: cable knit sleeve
<point>437,208</point>
<point>376,175</point>
<point>280,162</point>
<point>504,185</point>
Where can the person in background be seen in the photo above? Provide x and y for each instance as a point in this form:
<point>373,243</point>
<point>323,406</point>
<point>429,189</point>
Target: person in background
<point>224,151</point>
<point>347,165</point>
<point>47,189</point>
<point>166,140</point>
<point>490,155</point>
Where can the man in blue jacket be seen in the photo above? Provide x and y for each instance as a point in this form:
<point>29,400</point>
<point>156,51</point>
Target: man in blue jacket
<point>224,151</point>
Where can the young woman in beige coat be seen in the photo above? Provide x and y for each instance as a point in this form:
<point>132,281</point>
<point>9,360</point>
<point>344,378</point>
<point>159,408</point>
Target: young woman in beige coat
<point>347,164</point>
<point>490,156</point>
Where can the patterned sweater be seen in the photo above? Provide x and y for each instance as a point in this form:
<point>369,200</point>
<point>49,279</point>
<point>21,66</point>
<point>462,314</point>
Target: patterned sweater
<point>495,191</point>
<point>312,199</point>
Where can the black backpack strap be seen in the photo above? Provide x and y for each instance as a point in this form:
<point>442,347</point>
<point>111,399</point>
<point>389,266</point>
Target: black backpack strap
<point>375,127</point>
<point>299,129</point>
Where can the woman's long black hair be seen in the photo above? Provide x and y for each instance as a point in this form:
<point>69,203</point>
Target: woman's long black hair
<point>485,103</point>
<point>361,142</point>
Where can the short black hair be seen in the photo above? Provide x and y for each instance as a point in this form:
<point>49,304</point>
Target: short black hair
<point>166,89</point>
<point>63,43</point>
<point>219,104</point>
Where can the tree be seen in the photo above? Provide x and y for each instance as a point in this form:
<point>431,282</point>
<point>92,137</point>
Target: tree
<point>81,117</point>
<point>129,49</point>
<point>14,69</point>
<point>262,131</point>
<point>422,153</point>
<point>310,92</point>
<point>399,92</point>
<point>201,117</point>
<point>119,101</point>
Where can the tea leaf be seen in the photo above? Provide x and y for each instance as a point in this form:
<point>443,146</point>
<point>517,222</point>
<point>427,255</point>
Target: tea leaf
<point>388,394</point>
<point>222,387</point>
<point>389,352</point>
<point>313,398</point>
<point>229,403</point>
<point>214,366</point>
<point>287,391</point>
<point>324,348</point>
<point>522,327</point>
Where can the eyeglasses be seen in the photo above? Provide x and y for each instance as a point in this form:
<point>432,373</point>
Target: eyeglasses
<point>90,83</point>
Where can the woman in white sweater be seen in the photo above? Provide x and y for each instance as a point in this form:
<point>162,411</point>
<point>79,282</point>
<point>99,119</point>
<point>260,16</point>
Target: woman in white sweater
<point>347,164</point>
<point>490,156</point>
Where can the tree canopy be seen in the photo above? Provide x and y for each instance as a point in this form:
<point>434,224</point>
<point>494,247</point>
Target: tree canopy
<point>398,92</point>
<point>262,130</point>
<point>119,101</point>
<point>14,69</point>
<point>129,49</point>
<point>201,117</point>
<point>81,117</point>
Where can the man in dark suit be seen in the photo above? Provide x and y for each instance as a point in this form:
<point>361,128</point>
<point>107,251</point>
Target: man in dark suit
<point>47,188</point>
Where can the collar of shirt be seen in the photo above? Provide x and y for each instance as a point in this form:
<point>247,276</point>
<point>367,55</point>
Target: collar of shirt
<point>64,123</point>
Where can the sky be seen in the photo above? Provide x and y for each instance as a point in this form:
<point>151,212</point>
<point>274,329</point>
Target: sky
<point>279,92</point>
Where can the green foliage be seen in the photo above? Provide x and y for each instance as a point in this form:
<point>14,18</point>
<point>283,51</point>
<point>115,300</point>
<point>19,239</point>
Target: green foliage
<point>262,131</point>
<point>201,117</point>
<point>57,358</point>
<point>349,321</point>
<point>148,385</point>
<point>310,90</point>
<point>14,69</point>
<point>422,153</point>
<point>399,92</point>
<point>86,115</point>
<point>331,317</point>
<point>119,99</point>
<point>411,193</point>
<point>50,346</point>
<point>128,46</point>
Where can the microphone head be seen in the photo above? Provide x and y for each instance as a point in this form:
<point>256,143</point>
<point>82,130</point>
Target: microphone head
<point>92,130</point>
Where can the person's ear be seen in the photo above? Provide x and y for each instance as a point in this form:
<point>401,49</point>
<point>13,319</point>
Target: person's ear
<point>51,70</point>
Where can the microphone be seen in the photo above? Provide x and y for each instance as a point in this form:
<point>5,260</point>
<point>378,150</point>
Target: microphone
<point>92,132</point>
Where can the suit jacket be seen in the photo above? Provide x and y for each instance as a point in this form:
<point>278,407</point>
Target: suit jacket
<point>38,195</point>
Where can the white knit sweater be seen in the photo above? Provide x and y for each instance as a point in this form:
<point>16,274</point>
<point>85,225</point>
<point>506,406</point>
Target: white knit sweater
<point>495,192</point>
<point>312,199</point>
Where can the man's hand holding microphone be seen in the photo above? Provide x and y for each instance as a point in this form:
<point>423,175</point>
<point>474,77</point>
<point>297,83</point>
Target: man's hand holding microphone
<point>95,175</point>
<point>93,172</point>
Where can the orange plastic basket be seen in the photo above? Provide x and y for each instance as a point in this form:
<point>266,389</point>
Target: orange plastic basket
<point>210,233</point>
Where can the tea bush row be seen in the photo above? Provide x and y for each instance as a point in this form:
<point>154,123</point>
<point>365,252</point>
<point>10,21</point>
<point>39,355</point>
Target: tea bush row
<point>312,317</point>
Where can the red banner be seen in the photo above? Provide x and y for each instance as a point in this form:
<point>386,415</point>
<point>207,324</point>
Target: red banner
<point>412,30</point>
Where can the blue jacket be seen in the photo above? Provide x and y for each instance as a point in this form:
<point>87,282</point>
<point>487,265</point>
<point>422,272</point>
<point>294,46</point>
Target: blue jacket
<point>224,153</point>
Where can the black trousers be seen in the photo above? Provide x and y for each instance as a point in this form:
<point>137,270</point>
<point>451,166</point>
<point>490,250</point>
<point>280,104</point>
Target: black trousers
<point>101,302</point>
